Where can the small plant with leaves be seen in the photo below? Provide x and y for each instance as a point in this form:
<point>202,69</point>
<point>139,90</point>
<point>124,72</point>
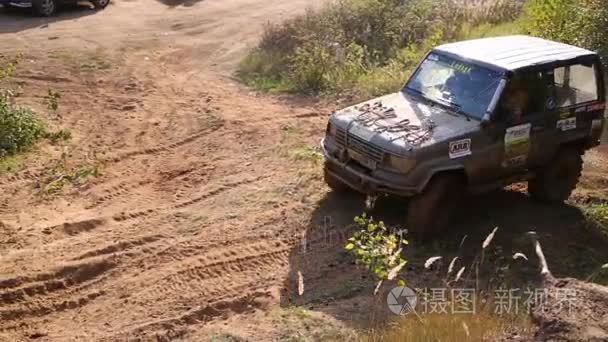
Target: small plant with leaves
<point>378,249</point>
<point>52,100</point>
<point>19,127</point>
<point>62,135</point>
<point>62,174</point>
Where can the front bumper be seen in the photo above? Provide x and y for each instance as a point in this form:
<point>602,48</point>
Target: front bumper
<point>361,179</point>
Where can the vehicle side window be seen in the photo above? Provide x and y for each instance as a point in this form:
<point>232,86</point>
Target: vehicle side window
<point>575,84</point>
<point>525,94</point>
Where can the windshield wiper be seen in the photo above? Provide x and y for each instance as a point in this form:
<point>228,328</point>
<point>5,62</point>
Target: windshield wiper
<point>455,106</point>
<point>416,91</point>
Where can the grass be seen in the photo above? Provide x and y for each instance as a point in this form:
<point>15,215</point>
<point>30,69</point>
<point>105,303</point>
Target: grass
<point>305,153</point>
<point>89,61</point>
<point>483,326</point>
<point>598,214</point>
<point>299,324</point>
<point>58,177</point>
<point>11,164</point>
<point>491,30</point>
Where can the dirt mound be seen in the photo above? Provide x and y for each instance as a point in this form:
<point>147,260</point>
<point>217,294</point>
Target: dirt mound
<point>572,310</point>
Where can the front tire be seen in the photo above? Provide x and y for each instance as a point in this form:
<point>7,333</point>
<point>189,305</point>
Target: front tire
<point>44,8</point>
<point>100,4</point>
<point>435,207</point>
<point>555,182</point>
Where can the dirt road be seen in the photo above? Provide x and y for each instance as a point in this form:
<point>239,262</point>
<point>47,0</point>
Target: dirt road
<point>194,223</point>
<point>193,173</point>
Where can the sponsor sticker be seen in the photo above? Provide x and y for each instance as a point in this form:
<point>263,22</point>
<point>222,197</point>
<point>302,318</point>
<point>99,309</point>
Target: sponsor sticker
<point>580,109</point>
<point>564,113</point>
<point>517,145</point>
<point>566,124</point>
<point>460,148</point>
<point>461,68</point>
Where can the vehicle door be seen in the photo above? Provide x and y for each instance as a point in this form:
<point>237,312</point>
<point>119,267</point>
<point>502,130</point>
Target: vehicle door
<point>523,124</point>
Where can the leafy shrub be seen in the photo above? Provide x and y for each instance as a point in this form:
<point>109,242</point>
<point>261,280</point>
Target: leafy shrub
<point>579,22</point>
<point>360,46</point>
<point>377,248</point>
<point>19,127</point>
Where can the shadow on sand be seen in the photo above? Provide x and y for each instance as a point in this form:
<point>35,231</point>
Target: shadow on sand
<point>335,285</point>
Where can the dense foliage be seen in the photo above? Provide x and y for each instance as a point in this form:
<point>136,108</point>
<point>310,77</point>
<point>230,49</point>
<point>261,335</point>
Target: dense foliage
<point>579,22</point>
<point>368,45</point>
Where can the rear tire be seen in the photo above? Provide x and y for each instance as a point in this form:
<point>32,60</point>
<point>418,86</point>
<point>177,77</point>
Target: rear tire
<point>435,207</point>
<point>44,8</point>
<point>334,183</point>
<point>100,4</point>
<point>555,182</point>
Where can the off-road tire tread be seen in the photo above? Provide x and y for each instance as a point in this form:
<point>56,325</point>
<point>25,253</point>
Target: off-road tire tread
<point>548,187</point>
<point>37,11</point>
<point>433,209</point>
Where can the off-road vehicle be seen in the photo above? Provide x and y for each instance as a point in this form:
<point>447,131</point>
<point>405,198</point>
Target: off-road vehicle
<point>46,8</point>
<point>474,116</point>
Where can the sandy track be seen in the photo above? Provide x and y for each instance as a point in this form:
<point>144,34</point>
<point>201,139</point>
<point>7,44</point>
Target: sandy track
<point>184,225</point>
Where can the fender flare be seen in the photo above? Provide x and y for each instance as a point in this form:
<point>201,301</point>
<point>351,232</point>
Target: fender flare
<point>447,169</point>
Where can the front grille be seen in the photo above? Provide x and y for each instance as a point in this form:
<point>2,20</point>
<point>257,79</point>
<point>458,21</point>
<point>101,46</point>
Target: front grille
<point>340,137</point>
<point>359,145</point>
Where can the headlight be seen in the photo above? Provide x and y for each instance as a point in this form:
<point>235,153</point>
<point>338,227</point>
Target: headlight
<point>399,163</point>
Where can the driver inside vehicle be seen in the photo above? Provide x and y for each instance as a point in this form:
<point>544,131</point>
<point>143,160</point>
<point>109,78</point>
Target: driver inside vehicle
<point>468,85</point>
<point>515,101</point>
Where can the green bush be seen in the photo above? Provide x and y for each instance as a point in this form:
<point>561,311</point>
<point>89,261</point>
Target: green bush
<point>580,22</point>
<point>19,127</point>
<point>363,47</point>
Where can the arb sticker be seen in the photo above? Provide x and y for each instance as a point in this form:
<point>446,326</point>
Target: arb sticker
<point>566,124</point>
<point>460,148</point>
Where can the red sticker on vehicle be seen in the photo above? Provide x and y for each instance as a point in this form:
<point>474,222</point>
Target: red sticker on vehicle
<point>597,106</point>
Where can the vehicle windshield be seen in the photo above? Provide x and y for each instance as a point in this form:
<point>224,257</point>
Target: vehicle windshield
<point>465,87</point>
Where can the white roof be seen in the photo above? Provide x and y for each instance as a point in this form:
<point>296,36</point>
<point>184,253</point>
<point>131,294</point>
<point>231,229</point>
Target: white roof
<point>514,52</point>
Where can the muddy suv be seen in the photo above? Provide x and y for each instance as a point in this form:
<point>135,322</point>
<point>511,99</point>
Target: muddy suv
<point>474,116</point>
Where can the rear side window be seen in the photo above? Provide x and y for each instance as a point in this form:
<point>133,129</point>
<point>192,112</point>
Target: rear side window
<point>575,84</point>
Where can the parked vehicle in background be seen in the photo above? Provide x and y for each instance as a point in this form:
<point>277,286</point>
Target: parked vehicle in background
<point>474,116</point>
<point>47,8</point>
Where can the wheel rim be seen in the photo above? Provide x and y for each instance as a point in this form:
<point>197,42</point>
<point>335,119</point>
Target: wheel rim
<point>103,3</point>
<point>47,6</point>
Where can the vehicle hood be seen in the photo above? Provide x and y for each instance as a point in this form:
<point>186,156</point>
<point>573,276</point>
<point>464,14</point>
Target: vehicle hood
<point>435,122</point>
